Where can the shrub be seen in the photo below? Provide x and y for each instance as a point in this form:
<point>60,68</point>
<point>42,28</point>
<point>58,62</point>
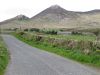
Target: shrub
<point>52,32</point>
<point>34,29</point>
<point>76,33</point>
<point>97,34</point>
<point>26,30</point>
<point>21,33</point>
<point>12,29</point>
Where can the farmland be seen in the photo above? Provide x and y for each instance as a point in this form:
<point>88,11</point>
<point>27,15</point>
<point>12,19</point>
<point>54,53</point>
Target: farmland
<point>74,37</point>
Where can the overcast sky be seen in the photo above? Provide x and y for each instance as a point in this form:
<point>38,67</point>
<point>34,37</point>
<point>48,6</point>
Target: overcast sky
<point>11,8</point>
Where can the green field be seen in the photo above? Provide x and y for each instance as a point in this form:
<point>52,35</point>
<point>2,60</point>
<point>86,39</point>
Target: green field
<point>75,37</point>
<point>69,37</point>
<point>4,57</point>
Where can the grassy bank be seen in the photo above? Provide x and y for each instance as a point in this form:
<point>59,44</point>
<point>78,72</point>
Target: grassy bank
<point>4,57</point>
<point>75,54</point>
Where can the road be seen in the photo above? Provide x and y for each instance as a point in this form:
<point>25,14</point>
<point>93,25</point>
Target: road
<point>27,60</point>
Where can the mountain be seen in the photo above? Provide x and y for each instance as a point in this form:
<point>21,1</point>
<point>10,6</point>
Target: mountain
<point>55,13</point>
<point>53,17</point>
<point>19,17</point>
<point>14,22</point>
<point>57,17</point>
<point>91,12</point>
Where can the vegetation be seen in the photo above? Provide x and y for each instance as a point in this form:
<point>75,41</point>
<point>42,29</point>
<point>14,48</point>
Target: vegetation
<point>83,52</point>
<point>34,29</point>
<point>26,29</point>
<point>44,31</point>
<point>97,33</point>
<point>76,33</point>
<point>49,31</point>
<point>4,57</point>
<point>74,37</point>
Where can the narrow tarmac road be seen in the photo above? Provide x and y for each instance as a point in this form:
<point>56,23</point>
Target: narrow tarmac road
<point>27,60</point>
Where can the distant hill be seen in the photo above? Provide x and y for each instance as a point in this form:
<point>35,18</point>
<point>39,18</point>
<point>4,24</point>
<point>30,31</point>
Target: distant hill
<point>56,17</point>
<point>53,17</point>
<point>54,13</point>
<point>19,17</point>
<point>15,22</point>
<point>91,12</point>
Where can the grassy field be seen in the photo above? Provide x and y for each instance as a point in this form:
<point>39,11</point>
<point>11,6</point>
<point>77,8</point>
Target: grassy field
<point>91,59</point>
<point>4,57</point>
<point>70,37</point>
<point>75,37</point>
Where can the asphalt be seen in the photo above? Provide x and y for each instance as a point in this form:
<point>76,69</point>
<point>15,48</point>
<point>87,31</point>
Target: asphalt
<point>27,60</point>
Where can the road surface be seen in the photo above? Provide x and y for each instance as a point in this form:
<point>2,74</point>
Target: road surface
<point>27,60</point>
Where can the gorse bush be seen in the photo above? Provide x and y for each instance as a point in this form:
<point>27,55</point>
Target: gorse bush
<point>26,30</point>
<point>48,31</point>
<point>21,33</point>
<point>11,29</point>
<point>76,33</point>
<point>45,31</point>
<point>34,29</point>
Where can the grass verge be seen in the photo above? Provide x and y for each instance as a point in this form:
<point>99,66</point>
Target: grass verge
<point>92,59</point>
<point>4,57</point>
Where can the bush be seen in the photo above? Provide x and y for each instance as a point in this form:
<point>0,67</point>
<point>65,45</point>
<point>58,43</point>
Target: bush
<point>34,29</point>
<point>21,33</point>
<point>52,32</point>
<point>76,33</point>
<point>12,29</point>
<point>26,30</point>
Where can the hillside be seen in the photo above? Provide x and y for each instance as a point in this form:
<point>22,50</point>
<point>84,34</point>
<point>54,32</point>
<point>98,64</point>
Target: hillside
<point>56,17</point>
<point>16,22</point>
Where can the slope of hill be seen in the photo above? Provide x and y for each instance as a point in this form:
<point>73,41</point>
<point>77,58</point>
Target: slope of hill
<point>15,22</point>
<point>52,16</point>
<point>19,17</point>
<point>56,17</point>
<point>55,13</point>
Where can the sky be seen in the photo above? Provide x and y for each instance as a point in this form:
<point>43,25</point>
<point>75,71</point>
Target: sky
<point>12,8</point>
